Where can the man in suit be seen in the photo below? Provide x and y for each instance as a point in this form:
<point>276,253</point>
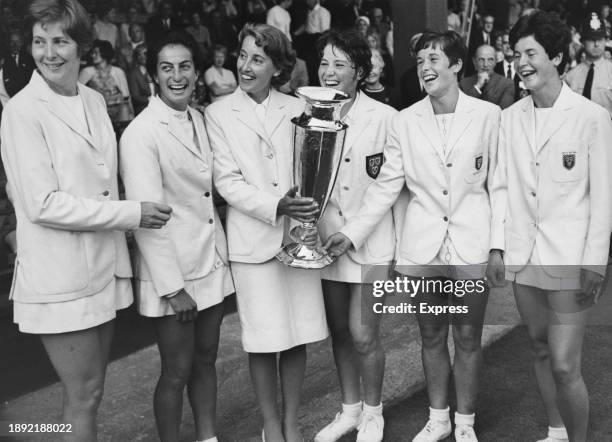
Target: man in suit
<point>480,35</point>
<point>162,23</point>
<point>486,84</point>
<point>16,69</point>
<point>410,85</point>
<point>506,68</point>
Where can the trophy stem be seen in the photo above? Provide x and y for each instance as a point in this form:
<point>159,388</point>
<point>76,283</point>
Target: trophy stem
<point>298,254</point>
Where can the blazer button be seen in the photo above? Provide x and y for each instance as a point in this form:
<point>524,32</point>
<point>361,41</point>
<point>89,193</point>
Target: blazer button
<point>270,155</point>
<point>106,193</point>
<point>274,183</point>
<point>348,160</point>
<point>210,221</point>
<point>340,212</point>
<point>445,218</point>
<point>345,188</point>
<point>207,194</point>
<point>445,192</point>
<point>449,164</point>
<point>533,194</point>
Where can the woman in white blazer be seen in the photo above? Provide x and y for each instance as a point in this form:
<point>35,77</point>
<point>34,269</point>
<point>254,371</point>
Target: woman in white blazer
<point>551,216</point>
<point>181,271</point>
<point>345,63</point>
<point>280,308</point>
<point>441,148</point>
<point>72,269</point>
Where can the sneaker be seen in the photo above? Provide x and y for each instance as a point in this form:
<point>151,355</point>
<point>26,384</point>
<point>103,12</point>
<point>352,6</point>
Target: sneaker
<point>434,431</point>
<point>341,425</point>
<point>465,433</point>
<point>371,428</point>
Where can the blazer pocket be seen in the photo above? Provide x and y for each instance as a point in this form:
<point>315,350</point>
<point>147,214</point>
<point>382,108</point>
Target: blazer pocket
<point>568,162</point>
<point>477,167</point>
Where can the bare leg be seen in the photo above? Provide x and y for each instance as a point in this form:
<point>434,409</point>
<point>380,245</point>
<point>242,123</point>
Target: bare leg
<point>175,341</point>
<point>264,377</point>
<point>337,296</point>
<point>79,358</point>
<point>364,326</point>
<point>292,367</point>
<point>202,386</point>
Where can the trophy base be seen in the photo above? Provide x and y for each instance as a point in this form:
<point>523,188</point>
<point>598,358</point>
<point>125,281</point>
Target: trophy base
<point>303,257</point>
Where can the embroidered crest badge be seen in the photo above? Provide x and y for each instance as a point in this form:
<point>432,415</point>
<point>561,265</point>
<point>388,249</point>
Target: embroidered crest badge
<point>569,160</point>
<point>373,164</point>
<point>478,162</point>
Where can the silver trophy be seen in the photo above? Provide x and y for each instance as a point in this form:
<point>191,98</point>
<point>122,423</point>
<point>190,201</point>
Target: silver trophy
<point>318,141</point>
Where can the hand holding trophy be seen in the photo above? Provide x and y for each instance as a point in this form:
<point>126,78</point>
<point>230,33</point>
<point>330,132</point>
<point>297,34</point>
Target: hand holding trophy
<point>318,140</point>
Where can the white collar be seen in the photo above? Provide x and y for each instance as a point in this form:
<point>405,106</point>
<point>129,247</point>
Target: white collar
<point>254,104</point>
<point>178,115</point>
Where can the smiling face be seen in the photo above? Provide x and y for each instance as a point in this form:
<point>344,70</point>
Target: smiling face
<point>176,76</point>
<point>255,70</point>
<point>56,56</point>
<point>533,64</point>
<point>337,70</point>
<point>435,72</point>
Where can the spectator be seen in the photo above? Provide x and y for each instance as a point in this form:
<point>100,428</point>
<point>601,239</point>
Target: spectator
<point>498,45</point>
<point>256,11</point>
<point>299,78</point>
<point>141,84</point>
<point>200,34</point>
<point>506,68</point>
<point>228,8</point>
<point>124,29</point>
<point>150,6</point>
<point>453,19</point>
<point>278,16</point>
<point>411,86</point>
<point>487,84</point>
<point>605,20</point>
<point>221,31</point>
<point>373,87</point>
<point>162,23</point>
<point>593,77</point>
<point>198,97</point>
<point>104,27</point>
<point>110,81</point>
<point>16,68</point>
<point>219,81</point>
<point>362,24</point>
<point>208,6</point>
<point>318,19</point>
<point>125,54</point>
<point>343,14</point>
<point>374,43</point>
<point>483,34</point>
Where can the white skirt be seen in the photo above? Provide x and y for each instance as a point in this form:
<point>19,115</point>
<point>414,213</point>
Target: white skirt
<point>345,269</point>
<point>279,306</point>
<point>76,314</point>
<point>206,292</point>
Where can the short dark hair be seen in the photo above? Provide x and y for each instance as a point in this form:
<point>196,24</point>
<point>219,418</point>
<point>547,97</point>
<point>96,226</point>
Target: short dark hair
<point>220,48</point>
<point>448,42</point>
<point>548,30</point>
<point>354,45</point>
<point>106,49</point>
<point>171,38</point>
<point>69,12</point>
<point>275,45</point>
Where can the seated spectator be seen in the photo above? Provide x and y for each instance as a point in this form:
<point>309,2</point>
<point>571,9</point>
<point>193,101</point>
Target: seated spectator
<point>104,27</point>
<point>208,6</point>
<point>141,84</point>
<point>411,87</point>
<point>380,25</point>
<point>299,78</point>
<point>221,31</point>
<point>200,34</point>
<point>372,86</point>
<point>219,81</point>
<point>498,44</point>
<point>256,11</point>
<point>362,24</point>
<point>110,81</point>
<point>125,54</point>
<point>132,17</point>
<point>163,22</point>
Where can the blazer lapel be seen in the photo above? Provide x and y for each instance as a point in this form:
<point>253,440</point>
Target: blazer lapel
<point>363,115</point>
<point>275,114</point>
<point>429,127</point>
<point>461,121</point>
<point>527,116</point>
<point>558,117</point>
<point>246,114</point>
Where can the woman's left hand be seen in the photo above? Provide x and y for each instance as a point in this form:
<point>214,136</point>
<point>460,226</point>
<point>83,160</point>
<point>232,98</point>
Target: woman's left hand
<point>591,284</point>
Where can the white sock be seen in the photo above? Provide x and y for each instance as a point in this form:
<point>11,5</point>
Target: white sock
<point>375,410</point>
<point>352,410</point>
<point>439,415</point>
<point>558,433</point>
<point>464,419</point>
<point>210,439</point>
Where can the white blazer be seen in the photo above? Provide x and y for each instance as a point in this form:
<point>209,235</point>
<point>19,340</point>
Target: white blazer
<point>160,164</point>
<point>63,184</point>
<point>360,165</point>
<point>252,170</point>
<point>448,192</point>
<point>555,192</point>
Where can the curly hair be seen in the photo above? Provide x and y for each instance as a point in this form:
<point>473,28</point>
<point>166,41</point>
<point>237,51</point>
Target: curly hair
<point>548,30</point>
<point>172,38</point>
<point>106,49</point>
<point>275,45</point>
<point>354,45</point>
<point>448,42</point>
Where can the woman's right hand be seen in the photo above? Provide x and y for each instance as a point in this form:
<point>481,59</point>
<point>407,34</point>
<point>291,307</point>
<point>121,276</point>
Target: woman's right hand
<point>496,272</point>
<point>184,306</point>
<point>300,209</point>
<point>154,215</point>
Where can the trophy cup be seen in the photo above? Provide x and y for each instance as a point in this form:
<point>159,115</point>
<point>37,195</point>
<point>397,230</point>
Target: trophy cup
<point>318,140</point>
